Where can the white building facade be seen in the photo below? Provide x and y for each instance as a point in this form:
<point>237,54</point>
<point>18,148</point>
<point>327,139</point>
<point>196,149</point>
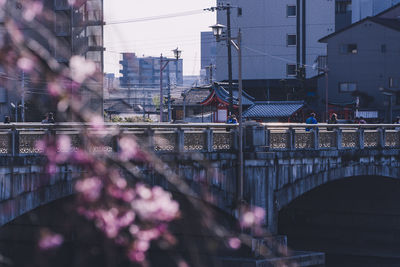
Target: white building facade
<point>278,36</point>
<point>367,8</point>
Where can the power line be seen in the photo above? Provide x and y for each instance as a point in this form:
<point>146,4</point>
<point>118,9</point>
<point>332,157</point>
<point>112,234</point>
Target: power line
<point>166,16</point>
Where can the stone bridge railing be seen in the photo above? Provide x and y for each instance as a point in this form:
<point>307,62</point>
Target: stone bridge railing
<point>20,139</point>
<point>280,136</point>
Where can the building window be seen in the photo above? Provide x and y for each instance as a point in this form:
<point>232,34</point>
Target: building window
<point>383,48</point>
<point>393,82</point>
<point>348,49</point>
<point>291,11</point>
<point>291,39</point>
<point>342,7</point>
<point>347,87</point>
<point>291,70</point>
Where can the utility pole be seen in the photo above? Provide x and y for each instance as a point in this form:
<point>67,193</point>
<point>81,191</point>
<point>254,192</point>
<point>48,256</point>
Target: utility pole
<point>217,31</point>
<point>163,65</point>
<point>169,99</point>
<point>228,24</point>
<point>23,97</point>
<point>227,7</point>
<point>161,88</point>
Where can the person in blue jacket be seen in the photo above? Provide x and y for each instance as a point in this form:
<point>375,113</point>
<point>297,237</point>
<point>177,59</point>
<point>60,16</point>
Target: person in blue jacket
<point>311,120</point>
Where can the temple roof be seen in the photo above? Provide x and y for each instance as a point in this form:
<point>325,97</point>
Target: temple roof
<point>273,109</point>
<point>219,93</point>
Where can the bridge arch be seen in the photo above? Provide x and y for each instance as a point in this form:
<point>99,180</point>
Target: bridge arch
<point>290,192</point>
<point>353,220</point>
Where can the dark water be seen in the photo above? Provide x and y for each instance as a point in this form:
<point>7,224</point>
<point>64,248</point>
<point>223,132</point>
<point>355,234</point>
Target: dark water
<point>360,261</point>
<point>85,246</point>
<point>355,221</point>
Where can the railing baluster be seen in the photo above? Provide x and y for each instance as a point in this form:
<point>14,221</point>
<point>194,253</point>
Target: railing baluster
<point>15,141</point>
<point>381,138</point>
<point>267,138</point>
<point>180,142</point>
<point>150,139</point>
<point>291,139</point>
<point>208,136</point>
<point>360,132</point>
<point>235,138</point>
<point>338,138</point>
<point>315,133</point>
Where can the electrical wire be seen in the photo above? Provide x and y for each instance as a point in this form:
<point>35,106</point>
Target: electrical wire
<point>166,16</point>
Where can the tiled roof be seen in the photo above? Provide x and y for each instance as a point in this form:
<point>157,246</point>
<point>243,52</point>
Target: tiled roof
<point>273,109</point>
<point>223,93</point>
<point>194,96</point>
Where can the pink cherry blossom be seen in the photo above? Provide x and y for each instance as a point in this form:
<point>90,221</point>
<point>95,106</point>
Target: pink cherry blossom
<point>50,240</point>
<point>81,68</point>
<point>234,243</point>
<point>25,64</point>
<point>32,9</point>
<point>90,188</point>
<point>129,149</point>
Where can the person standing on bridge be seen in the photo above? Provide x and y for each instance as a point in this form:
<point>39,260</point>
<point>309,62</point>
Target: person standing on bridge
<point>6,119</point>
<point>49,118</point>
<point>332,120</point>
<point>397,122</point>
<point>311,120</point>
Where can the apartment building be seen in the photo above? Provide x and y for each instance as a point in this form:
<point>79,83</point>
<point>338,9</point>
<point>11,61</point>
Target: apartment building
<point>278,37</point>
<point>208,56</point>
<point>367,8</point>
<point>145,71</point>
<point>63,29</point>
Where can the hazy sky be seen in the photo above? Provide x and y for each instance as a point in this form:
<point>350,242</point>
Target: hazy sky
<point>152,37</point>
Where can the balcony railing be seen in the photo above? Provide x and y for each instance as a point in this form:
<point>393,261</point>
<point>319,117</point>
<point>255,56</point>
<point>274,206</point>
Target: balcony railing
<point>20,139</point>
<point>61,5</point>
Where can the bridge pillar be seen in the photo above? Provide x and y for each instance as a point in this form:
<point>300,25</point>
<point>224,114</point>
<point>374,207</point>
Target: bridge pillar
<point>254,137</point>
<point>260,173</point>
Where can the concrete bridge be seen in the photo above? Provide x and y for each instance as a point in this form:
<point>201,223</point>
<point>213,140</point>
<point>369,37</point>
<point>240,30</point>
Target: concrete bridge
<point>282,162</point>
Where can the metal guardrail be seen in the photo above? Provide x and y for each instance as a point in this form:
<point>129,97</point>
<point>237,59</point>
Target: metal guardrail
<point>21,138</point>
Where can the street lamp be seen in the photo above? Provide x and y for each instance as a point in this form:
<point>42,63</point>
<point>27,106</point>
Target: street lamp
<point>163,65</point>
<point>217,31</point>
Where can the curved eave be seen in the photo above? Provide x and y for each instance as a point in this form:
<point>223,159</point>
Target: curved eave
<point>208,99</point>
